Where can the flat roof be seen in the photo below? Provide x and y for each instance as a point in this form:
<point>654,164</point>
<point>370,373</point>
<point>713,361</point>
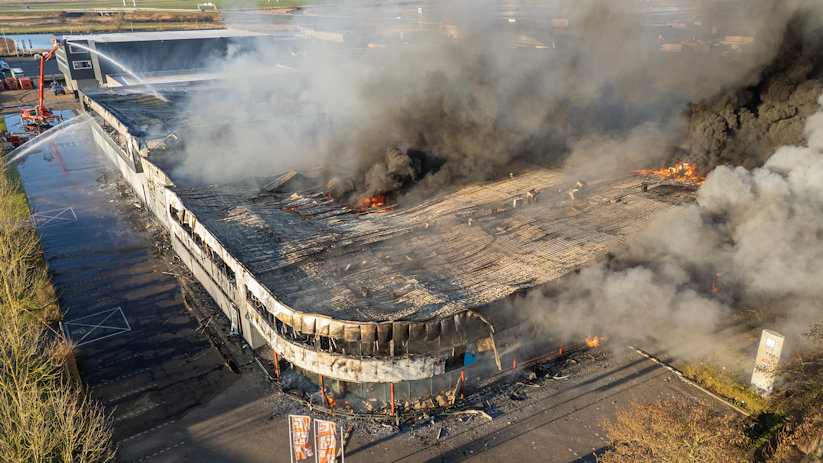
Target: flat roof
<point>150,119</point>
<point>163,35</point>
<point>458,250</point>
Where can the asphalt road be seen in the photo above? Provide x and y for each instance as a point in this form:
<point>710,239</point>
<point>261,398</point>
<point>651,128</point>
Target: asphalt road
<point>557,420</point>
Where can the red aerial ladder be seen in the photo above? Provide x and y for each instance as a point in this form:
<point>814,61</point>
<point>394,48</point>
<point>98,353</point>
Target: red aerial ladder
<point>39,118</point>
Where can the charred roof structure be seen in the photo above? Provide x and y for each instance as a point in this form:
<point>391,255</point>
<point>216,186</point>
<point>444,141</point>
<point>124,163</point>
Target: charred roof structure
<point>370,293</point>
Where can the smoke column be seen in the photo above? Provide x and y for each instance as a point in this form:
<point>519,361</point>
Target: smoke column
<point>743,125</point>
<point>481,86</point>
<point>754,240</point>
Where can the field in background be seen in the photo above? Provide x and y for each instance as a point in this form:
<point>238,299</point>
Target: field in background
<point>58,22</point>
<point>60,17</point>
<point>154,4</point>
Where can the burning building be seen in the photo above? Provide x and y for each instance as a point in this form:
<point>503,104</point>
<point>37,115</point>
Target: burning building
<point>372,296</point>
<point>365,295</point>
<point>375,294</point>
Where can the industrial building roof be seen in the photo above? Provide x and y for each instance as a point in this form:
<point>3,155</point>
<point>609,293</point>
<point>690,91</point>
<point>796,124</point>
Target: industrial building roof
<point>457,250</point>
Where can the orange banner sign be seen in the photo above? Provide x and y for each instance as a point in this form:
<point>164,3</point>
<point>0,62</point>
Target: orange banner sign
<point>326,441</point>
<point>300,428</point>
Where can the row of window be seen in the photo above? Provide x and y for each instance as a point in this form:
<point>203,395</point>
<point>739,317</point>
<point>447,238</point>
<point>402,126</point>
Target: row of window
<point>324,343</point>
<point>219,263</point>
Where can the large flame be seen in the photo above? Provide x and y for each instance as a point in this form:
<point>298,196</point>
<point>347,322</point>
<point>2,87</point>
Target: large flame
<point>374,204</point>
<point>377,200</point>
<point>682,171</point>
<point>595,341</point>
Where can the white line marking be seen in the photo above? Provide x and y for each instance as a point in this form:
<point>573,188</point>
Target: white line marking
<point>137,412</point>
<point>147,430</point>
<point>45,218</point>
<point>79,341</point>
<point>159,452</point>
<point>97,326</point>
<point>132,392</point>
<point>111,312</point>
<point>121,360</point>
<point>126,376</point>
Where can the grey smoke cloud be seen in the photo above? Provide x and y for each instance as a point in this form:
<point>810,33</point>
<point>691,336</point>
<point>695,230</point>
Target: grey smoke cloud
<point>474,102</point>
<point>596,97</point>
<point>756,234</point>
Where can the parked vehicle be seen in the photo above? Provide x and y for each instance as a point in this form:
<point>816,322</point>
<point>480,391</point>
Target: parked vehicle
<point>57,89</point>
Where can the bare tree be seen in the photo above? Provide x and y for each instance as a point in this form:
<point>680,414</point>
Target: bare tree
<point>44,416</point>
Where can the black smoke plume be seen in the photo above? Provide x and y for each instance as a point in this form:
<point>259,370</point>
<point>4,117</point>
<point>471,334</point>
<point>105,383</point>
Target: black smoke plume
<point>743,126</point>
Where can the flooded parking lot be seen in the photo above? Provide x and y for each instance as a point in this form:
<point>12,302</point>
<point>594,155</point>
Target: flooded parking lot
<point>139,351</point>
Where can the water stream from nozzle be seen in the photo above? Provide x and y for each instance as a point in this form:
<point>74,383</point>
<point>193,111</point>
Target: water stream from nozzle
<point>37,141</point>
<point>120,65</point>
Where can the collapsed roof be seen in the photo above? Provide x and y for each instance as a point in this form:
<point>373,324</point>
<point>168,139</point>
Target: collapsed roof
<point>455,251</point>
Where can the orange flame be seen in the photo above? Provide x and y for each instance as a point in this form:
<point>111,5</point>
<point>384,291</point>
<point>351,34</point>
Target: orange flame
<point>682,171</point>
<point>295,210</point>
<point>595,341</point>
<point>373,204</point>
<point>715,286</point>
<point>375,201</point>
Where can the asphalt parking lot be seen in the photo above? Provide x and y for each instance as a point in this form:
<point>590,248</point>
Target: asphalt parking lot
<point>31,66</point>
<point>140,350</point>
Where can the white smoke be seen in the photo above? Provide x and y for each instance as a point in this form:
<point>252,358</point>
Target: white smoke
<point>753,241</point>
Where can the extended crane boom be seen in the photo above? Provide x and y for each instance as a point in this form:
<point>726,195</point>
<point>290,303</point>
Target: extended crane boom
<point>39,117</point>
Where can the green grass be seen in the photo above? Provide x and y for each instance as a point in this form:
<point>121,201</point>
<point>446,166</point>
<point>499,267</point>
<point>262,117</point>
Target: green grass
<point>19,205</point>
<point>761,428</point>
<point>717,380</point>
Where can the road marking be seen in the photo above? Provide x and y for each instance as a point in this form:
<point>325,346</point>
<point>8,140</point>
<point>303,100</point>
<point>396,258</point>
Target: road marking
<point>147,430</point>
<point>137,412</point>
<point>203,352</point>
<point>134,391</point>
<point>159,452</point>
<point>690,382</point>
<point>121,360</point>
<point>129,375</point>
<point>44,219</point>
<point>97,323</point>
